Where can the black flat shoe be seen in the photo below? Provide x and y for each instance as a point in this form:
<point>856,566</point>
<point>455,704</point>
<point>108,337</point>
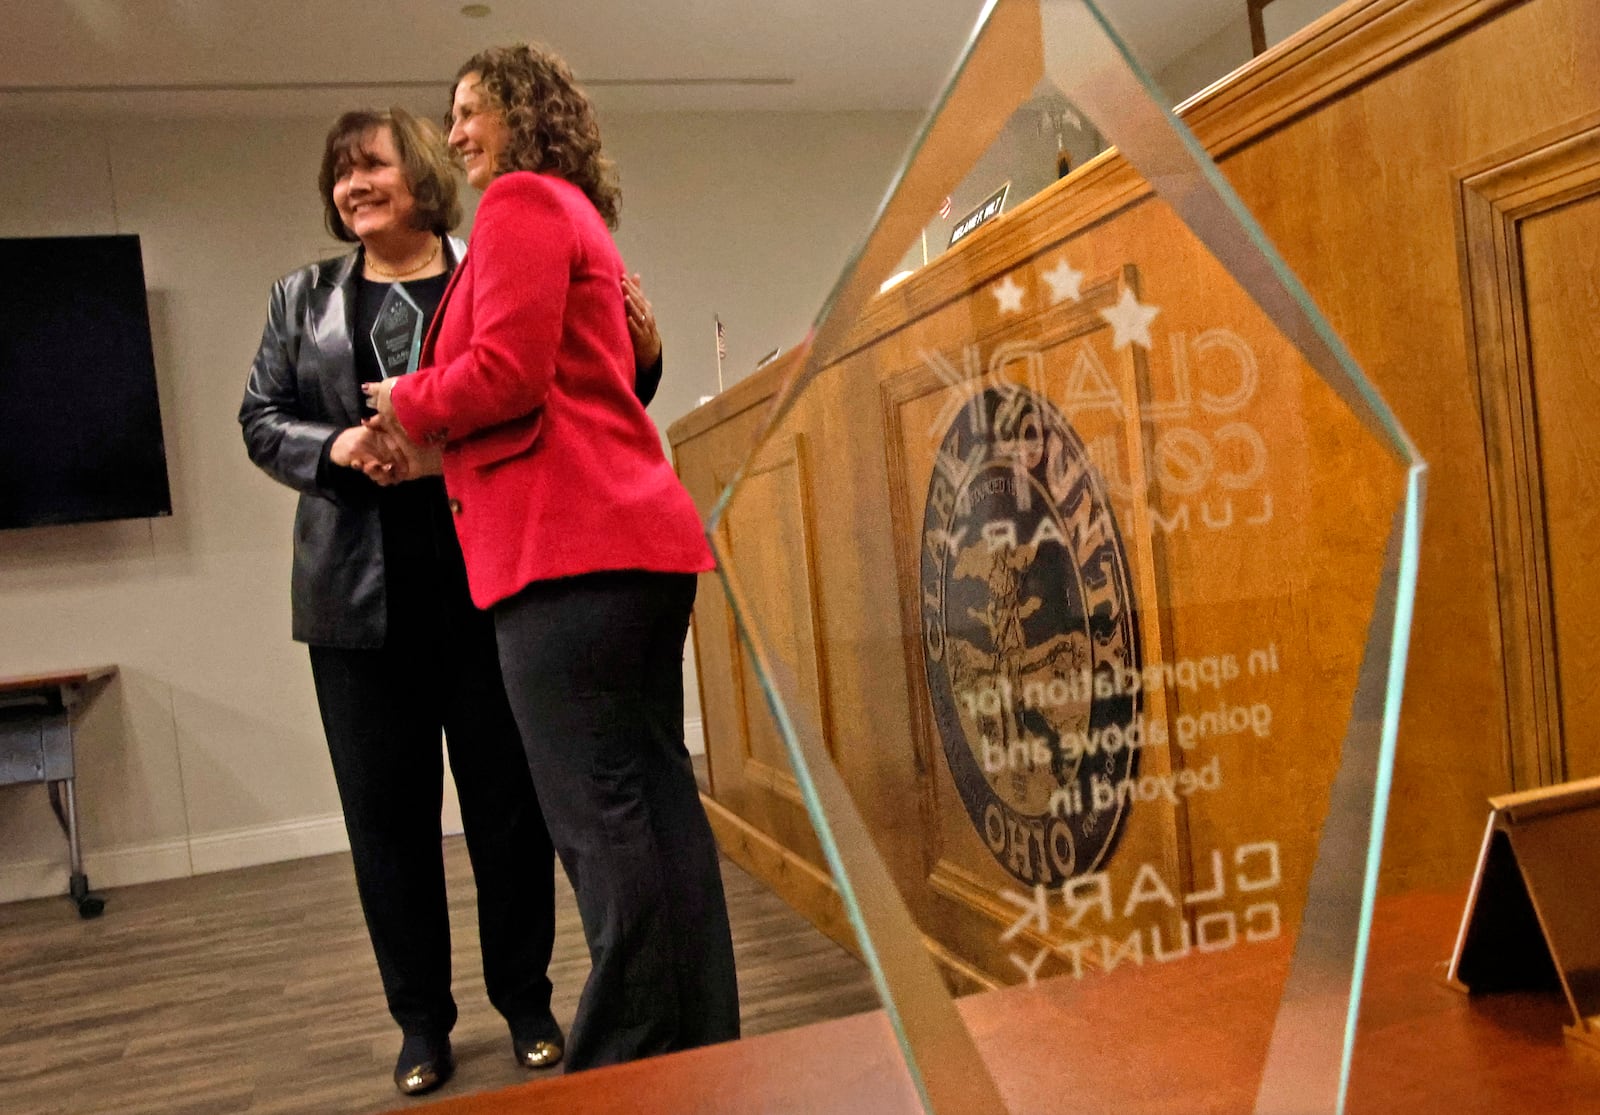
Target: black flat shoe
<point>537,1053</point>
<point>423,1065</point>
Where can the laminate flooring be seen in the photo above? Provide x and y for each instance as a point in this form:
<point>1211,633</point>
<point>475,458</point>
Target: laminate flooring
<point>255,991</point>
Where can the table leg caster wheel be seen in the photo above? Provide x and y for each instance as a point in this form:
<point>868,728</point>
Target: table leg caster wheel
<point>89,904</point>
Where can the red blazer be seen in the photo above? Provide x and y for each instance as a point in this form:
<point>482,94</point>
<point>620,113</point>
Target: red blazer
<point>552,467</point>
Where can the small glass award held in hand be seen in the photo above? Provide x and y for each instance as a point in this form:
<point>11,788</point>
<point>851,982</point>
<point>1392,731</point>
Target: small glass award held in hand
<point>397,334</point>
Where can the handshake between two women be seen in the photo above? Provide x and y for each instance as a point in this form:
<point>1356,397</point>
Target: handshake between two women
<point>381,449</point>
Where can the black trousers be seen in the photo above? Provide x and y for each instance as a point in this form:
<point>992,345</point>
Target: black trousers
<point>593,667</point>
<point>383,711</point>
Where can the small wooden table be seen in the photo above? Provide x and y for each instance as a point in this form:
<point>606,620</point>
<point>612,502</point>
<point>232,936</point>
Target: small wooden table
<point>1187,1037</point>
<point>36,718</point>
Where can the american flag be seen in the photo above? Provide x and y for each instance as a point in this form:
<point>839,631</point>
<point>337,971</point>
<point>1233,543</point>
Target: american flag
<point>722,340</point>
<point>944,207</point>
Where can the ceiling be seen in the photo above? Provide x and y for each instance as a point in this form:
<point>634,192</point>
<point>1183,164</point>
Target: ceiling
<point>312,57</point>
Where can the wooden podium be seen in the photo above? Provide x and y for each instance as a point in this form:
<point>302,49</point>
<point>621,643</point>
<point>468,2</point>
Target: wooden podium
<point>827,523</point>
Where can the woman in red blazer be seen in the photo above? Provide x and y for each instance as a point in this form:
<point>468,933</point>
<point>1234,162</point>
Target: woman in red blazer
<point>582,543</point>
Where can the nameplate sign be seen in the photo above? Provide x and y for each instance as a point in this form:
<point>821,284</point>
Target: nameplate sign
<point>987,211</point>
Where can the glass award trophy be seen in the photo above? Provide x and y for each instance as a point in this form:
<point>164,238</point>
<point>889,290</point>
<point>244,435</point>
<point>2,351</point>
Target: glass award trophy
<point>397,334</point>
<point>1076,573</point>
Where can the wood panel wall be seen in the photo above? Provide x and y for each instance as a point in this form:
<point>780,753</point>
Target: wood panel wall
<point>1431,171</point>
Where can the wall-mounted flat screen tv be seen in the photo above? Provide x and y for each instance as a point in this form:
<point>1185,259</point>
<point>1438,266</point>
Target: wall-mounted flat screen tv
<point>80,424</point>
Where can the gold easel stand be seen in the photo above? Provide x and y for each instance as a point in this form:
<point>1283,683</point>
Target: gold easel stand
<point>1533,913</point>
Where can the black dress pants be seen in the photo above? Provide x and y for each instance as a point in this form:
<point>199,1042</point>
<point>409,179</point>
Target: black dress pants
<point>383,711</point>
<point>593,667</point>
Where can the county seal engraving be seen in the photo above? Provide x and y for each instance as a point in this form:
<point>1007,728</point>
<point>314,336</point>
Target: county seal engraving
<point>1027,619</point>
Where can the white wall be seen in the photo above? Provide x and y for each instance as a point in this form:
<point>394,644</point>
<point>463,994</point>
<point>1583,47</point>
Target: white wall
<point>748,216</point>
<point>1209,60</point>
<point>207,753</point>
<point>1226,48</point>
<point>1283,18</point>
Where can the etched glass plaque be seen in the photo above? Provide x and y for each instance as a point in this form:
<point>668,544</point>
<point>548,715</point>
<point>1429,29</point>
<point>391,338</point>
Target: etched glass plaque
<point>1076,572</point>
<point>397,334</point>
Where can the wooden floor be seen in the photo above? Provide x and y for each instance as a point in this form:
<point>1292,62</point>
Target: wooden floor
<point>256,991</point>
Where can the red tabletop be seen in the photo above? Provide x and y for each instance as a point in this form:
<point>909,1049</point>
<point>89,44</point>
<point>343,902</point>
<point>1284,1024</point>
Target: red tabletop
<point>1185,1037</point>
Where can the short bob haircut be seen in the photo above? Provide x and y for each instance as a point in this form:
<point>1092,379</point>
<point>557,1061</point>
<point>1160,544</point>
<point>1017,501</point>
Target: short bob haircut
<point>424,160</point>
<point>552,125</point>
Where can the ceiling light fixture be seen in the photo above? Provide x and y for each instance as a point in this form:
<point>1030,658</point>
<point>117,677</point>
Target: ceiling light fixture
<point>474,11</point>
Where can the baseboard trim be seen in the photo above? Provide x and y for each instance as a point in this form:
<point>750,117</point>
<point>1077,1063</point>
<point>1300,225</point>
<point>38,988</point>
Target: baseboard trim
<point>120,867</point>
<point>797,881</point>
<point>247,847</point>
<point>176,859</point>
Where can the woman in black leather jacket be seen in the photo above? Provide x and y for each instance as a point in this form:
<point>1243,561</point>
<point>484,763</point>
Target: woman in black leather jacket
<point>398,652</point>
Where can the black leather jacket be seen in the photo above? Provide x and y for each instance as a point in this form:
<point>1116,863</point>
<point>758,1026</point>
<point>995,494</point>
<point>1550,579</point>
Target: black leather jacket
<point>302,392</point>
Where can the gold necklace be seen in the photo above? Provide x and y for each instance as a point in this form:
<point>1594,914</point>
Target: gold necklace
<point>433,254</point>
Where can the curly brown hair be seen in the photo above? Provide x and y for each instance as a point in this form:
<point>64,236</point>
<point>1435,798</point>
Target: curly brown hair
<point>552,124</point>
<point>424,160</point>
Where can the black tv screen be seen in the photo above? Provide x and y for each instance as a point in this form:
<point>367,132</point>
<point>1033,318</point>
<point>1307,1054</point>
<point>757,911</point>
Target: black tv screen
<point>80,424</point>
